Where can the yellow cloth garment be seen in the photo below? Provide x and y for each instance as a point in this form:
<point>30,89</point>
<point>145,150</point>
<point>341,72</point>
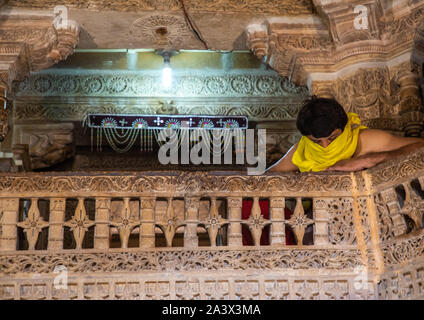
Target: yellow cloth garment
<point>310,156</point>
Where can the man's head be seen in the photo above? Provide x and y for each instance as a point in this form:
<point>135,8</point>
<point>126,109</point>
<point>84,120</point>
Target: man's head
<point>321,120</point>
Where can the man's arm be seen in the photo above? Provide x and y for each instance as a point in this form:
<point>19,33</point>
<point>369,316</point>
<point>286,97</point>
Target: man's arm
<point>285,164</point>
<point>376,147</point>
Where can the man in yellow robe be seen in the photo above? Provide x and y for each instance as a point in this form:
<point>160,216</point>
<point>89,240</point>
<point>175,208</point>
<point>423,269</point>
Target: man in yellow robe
<point>335,140</point>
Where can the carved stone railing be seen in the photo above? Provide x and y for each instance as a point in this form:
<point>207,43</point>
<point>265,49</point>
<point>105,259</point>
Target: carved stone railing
<point>182,235</point>
<point>394,196</point>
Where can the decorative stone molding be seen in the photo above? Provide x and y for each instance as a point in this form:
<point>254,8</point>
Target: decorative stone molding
<point>194,182</point>
<point>403,282</point>
<point>397,171</point>
<point>197,183</point>
<point>291,7</point>
<point>400,251</point>
<point>413,206</point>
<point>135,84</point>
<point>204,286</point>
<point>283,259</point>
<point>268,110</point>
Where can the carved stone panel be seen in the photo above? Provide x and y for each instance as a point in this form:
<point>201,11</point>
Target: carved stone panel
<point>47,144</point>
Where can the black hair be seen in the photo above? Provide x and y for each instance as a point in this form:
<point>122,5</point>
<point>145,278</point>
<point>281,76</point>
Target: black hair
<point>319,117</point>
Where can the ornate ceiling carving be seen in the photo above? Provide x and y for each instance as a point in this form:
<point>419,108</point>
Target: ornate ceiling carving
<point>145,84</point>
<point>299,48</point>
<point>161,30</point>
<point>372,69</point>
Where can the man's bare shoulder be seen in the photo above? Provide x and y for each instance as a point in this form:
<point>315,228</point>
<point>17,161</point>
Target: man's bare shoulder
<point>373,133</point>
<point>285,163</point>
<point>375,140</point>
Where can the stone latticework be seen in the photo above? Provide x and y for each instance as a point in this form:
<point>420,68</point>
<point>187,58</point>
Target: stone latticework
<point>340,263</point>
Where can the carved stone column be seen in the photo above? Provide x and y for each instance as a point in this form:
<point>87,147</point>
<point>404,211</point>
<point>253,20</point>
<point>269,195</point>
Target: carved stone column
<point>8,222</point>
<point>321,222</point>
<point>191,220</point>
<point>234,217</point>
<point>412,117</point>
<point>278,229</point>
<point>102,217</point>
<point>56,220</point>
<point>147,228</point>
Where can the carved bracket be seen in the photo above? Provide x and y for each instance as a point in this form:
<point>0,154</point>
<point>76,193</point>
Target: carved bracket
<point>30,45</point>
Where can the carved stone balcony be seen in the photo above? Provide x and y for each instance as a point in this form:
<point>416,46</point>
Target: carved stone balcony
<point>180,235</point>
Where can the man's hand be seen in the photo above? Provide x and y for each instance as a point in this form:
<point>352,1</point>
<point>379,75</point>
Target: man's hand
<point>360,163</point>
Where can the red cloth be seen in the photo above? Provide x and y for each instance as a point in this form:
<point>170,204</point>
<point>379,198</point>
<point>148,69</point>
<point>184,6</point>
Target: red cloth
<point>246,209</point>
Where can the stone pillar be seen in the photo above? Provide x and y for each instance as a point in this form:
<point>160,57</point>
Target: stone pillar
<point>102,217</point>
<point>234,216</point>
<point>191,221</point>
<point>321,222</point>
<point>147,228</point>
<point>8,223</point>
<point>278,228</point>
<point>57,217</point>
<point>412,117</point>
